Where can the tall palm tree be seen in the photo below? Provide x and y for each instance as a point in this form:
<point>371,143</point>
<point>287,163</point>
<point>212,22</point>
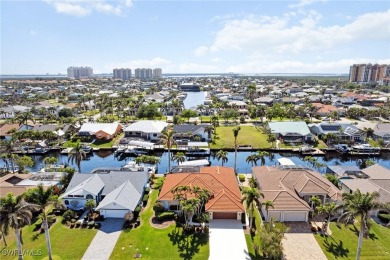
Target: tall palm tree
<point>167,139</point>
<point>261,155</point>
<point>358,206</point>
<point>76,155</point>
<point>44,198</point>
<point>16,214</point>
<point>179,157</point>
<point>236,131</point>
<point>222,155</point>
<point>203,195</point>
<point>251,199</point>
<point>252,159</point>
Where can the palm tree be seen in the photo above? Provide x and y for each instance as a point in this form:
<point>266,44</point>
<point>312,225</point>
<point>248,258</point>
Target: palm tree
<point>77,154</point>
<point>16,213</point>
<point>203,195</point>
<point>179,157</point>
<point>267,204</point>
<point>251,199</point>
<point>358,206</point>
<point>44,198</point>
<point>222,155</point>
<point>23,117</point>
<point>167,139</point>
<point>261,155</point>
<point>315,201</point>
<point>252,182</point>
<point>236,131</point>
<point>329,209</point>
<point>189,208</point>
<point>252,159</point>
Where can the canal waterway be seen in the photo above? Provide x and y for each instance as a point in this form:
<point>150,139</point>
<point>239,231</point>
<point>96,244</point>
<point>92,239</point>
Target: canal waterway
<point>194,99</point>
<point>108,159</point>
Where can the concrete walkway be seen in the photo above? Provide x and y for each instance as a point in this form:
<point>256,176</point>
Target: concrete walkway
<point>105,239</point>
<point>227,240</point>
<point>302,246</point>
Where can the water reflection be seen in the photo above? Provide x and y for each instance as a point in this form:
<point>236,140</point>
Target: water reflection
<point>107,158</point>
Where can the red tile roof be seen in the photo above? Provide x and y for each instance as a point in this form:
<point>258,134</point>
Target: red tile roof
<point>221,181</point>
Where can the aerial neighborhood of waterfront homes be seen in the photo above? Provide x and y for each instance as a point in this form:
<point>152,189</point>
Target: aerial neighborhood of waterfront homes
<point>120,165</point>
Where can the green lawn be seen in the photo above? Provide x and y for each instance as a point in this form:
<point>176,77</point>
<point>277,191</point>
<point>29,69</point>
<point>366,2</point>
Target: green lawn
<point>168,243</point>
<point>66,243</point>
<point>255,240</point>
<point>343,243</point>
<point>249,135</point>
<point>91,112</point>
<point>103,143</point>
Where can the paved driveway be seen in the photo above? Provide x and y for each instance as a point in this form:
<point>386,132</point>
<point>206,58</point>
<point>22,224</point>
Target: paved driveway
<point>227,240</point>
<point>302,246</point>
<point>104,241</point>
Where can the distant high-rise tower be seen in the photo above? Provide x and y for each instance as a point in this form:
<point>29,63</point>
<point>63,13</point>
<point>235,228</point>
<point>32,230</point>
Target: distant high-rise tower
<point>124,74</point>
<point>80,72</point>
<point>143,73</point>
<point>368,73</point>
<point>157,73</point>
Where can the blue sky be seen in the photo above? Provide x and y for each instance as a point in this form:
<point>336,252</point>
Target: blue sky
<point>307,36</point>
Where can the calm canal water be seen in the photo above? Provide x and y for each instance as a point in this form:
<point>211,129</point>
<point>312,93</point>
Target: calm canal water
<point>107,159</point>
<point>194,99</point>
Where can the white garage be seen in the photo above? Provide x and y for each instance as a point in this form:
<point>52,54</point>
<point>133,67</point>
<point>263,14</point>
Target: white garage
<point>113,213</point>
<point>275,215</point>
<point>295,215</point>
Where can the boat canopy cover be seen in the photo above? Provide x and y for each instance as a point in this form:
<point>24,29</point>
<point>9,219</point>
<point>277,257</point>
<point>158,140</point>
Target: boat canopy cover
<point>198,144</point>
<point>285,161</point>
<point>202,162</point>
<point>140,143</point>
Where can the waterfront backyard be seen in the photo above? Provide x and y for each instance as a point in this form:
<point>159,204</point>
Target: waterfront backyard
<point>155,243</point>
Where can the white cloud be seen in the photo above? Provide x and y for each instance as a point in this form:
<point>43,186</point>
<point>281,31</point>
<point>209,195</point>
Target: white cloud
<point>32,32</point>
<point>283,34</point>
<point>303,3</point>
<point>86,7</point>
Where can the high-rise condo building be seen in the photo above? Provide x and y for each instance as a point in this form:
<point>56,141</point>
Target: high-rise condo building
<point>368,73</point>
<point>124,74</point>
<point>142,73</point>
<point>157,73</point>
<point>80,72</point>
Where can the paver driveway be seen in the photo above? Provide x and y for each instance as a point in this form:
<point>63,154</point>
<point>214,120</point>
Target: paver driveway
<point>302,246</point>
<point>105,239</point>
<point>227,240</point>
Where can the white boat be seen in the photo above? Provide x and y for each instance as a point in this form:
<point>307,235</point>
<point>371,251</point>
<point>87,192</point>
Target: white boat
<point>202,162</point>
<point>86,148</point>
<point>364,149</point>
<point>198,149</point>
<point>135,150</point>
<point>66,150</point>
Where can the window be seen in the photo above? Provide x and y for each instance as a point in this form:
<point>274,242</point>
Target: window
<point>89,197</point>
<point>154,135</point>
<point>174,207</point>
<point>66,202</point>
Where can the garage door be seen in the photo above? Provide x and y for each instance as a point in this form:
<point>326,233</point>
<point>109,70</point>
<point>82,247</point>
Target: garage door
<point>115,213</point>
<point>295,216</point>
<point>275,215</point>
<point>224,215</point>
